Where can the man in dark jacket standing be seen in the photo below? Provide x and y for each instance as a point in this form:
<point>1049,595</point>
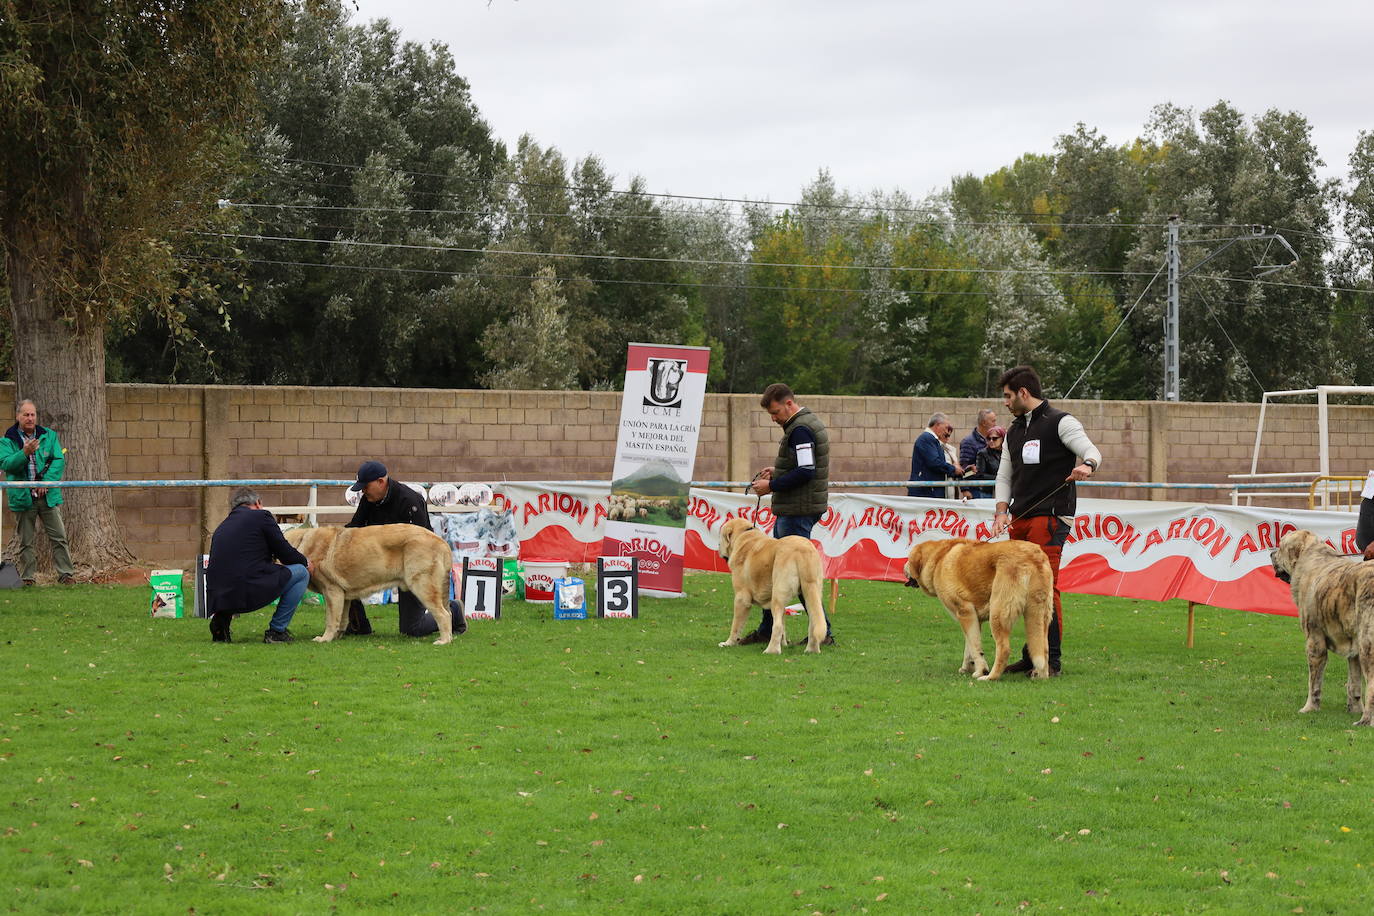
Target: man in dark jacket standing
<point>799,480</point>
<point>928,458</point>
<point>242,575</point>
<point>390,502</point>
<point>1046,454</point>
<point>32,452</point>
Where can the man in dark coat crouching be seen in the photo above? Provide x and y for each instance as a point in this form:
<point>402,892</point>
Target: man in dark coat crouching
<point>242,575</point>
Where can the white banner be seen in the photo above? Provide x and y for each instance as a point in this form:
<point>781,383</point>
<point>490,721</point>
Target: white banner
<point>1214,555</point>
<point>660,421</point>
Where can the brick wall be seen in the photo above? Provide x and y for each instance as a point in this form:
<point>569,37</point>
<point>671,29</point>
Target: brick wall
<point>214,432</point>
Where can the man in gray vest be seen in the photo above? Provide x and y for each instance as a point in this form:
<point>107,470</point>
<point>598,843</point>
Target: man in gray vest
<point>799,481</point>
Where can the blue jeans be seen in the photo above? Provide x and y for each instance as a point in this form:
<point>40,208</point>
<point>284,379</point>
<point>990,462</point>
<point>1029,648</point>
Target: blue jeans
<point>785,526</point>
<point>286,605</point>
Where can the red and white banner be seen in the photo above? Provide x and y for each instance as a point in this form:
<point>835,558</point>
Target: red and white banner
<point>660,420</point>
<point>1214,555</point>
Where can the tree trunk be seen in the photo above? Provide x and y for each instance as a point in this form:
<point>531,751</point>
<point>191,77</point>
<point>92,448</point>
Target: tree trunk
<point>59,364</point>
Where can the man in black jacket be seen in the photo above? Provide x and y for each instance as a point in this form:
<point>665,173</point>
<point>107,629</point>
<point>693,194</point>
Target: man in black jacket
<point>390,502</point>
<point>799,480</point>
<point>242,575</point>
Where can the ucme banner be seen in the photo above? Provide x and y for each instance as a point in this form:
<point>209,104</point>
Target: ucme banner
<point>1214,555</point>
<point>660,421</point>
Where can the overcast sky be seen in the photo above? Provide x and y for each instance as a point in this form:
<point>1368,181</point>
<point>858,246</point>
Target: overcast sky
<point>749,98</point>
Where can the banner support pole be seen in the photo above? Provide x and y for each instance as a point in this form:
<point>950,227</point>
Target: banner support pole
<point>1189,641</point>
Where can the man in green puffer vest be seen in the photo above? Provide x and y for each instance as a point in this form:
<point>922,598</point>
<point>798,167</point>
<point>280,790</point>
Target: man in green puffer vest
<point>799,481</point>
<point>32,452</point>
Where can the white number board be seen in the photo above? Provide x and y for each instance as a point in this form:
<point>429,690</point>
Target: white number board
<point>482,588</point>
<point>617,586</point>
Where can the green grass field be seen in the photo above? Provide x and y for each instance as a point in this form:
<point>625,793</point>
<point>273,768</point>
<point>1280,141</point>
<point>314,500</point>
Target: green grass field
<point>634,767</point>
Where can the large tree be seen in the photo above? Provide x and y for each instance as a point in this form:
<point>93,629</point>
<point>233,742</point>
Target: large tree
<point>117,124</point>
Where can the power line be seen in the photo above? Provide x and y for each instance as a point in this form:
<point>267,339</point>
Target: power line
<point>572,214</point>
<point>1281,283</point>
<point>1121,324</point>
<point>700,262</point>
<point>1208,305</point>
<point>486,275</point>
<point>796,205</point>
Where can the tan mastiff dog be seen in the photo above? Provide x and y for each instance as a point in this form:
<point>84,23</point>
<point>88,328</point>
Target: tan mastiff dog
<point>997,582</point>
<point>770,572</point>
<point>1335,599</point>
<point>354,562</point>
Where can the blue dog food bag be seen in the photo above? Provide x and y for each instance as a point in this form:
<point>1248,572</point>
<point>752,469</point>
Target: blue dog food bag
<point>569,599</point>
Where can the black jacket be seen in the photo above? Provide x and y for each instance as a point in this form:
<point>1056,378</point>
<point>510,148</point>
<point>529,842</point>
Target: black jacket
<point>400,505</point>
<point>242,575</point>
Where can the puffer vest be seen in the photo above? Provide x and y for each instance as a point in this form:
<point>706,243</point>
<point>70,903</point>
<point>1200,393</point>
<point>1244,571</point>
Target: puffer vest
<point>812,497</point>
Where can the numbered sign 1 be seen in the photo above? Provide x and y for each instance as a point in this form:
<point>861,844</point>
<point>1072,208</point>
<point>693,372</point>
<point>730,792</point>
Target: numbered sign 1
<point>617,586</point>
<point>482,588</point>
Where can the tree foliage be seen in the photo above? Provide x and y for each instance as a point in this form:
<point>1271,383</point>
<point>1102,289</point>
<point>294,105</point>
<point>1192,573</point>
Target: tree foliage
<point>118,123</point>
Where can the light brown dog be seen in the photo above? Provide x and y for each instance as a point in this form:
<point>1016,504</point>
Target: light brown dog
<point>1335,599</point>
<point>770,572</point>
<point>354,562</point>
<point>997,582</point>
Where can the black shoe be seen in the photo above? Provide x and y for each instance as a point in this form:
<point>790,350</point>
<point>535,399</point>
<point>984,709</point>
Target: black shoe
<point>754,638</point>
<point>65,579</point>
<point>1024,666</point>
<point>271,635</point>
<point>219,629</point>
<point>460,620</point>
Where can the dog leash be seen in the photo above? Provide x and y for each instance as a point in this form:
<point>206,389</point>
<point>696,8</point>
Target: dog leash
<point>1023,512</point>
<point>758,503</point>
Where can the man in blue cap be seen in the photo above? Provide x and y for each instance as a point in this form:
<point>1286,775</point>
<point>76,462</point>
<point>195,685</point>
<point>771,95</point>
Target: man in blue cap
<point>390,502</point>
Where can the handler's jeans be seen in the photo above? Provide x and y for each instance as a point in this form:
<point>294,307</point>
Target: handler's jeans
<point>1049,532</point>
<point>785,526</point>
<point>291,598</point>
<point>57,537</point>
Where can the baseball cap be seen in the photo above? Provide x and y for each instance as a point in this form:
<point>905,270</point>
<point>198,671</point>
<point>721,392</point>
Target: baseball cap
<point>368,472</point>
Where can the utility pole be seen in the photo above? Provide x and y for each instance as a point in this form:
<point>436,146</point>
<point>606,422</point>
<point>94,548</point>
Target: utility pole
<point>1176,276</point>
<point>1171,315</point>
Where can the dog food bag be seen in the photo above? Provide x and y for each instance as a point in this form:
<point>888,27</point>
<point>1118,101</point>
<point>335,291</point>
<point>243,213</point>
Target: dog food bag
<point>167,599</point>
<point>513,578</point>
<point>569,599</point>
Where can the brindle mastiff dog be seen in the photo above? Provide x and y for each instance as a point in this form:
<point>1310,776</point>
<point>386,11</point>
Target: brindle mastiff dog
<point>996,582</point>
<point>1335,599</point>
<point>770,572</point>
<point>354,562</point>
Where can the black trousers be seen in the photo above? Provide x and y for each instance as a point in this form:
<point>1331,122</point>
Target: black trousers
<point>1364,528</point>
<point>415,619</point>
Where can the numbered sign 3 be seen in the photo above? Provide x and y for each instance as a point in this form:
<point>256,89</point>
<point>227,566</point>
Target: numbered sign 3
<point>617,586</point>
<point>482,588</point>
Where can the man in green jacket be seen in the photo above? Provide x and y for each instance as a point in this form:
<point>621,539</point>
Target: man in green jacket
<point>799,480</point>
<point>32,452</point>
